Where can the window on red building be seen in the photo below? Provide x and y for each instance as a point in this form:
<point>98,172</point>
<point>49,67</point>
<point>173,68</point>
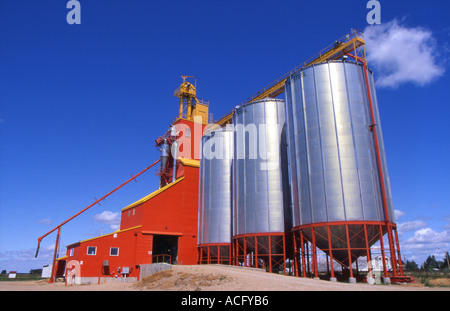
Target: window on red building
<point>114,251</point>
<point>92,250</point>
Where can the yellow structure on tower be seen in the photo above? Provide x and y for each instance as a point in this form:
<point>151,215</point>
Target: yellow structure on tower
<point>190,106</point>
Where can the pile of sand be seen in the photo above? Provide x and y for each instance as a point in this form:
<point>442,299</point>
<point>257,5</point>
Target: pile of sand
<point>180,280</point>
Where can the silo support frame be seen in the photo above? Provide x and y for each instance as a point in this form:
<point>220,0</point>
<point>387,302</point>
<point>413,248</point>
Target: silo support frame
<point>343,243</point>
<point>260,250</point>
<point>220,253</point>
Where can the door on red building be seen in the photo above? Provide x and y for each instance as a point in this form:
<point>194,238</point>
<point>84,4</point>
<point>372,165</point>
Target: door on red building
<point>165,248</point>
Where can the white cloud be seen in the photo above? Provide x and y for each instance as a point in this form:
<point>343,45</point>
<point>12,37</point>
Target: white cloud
<point>447,226</point>
<point>426,242</point>
<point>45,221</point>
<point>109,218</point>
<point>411,226</point>
<point>400,54</point>
<point>398,214</point>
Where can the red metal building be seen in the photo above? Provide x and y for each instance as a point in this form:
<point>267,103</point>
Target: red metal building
<point>148,233</point>
<point>160,227</point>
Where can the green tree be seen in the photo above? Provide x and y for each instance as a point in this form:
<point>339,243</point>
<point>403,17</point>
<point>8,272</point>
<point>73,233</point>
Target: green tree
<point>36,271</point>
<point>446,265</point>
<point>430,263</point>
<point>411,265</point>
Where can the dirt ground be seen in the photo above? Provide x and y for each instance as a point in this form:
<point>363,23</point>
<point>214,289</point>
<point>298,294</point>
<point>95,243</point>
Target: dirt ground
<point>215,278</point>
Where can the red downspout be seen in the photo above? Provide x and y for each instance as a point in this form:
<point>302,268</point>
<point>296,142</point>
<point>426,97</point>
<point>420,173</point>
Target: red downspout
<point>52,276</point>
<point>380,169</point>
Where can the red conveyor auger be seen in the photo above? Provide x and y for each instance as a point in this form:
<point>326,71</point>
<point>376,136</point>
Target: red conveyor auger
<point>82,211</point>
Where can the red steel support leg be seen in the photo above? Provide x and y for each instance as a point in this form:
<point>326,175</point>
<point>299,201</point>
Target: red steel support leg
<point>349,252</point>
<point>308,258</point>
<point>399,255</point>
<point>330,250</point>
<point>314,252</point>
<point>246,262</point>
<point>232,254</point>
<point>392,249</point>
<point>382,252</point>
<point>369,262</point>
<point>284,254</point>
<point>236,252</point>
<point>239,252</point>
<point>256,252</point>
<point>270,254</point>
<point>219,260</point>
<point>303,254</point>
<point>294,240</point>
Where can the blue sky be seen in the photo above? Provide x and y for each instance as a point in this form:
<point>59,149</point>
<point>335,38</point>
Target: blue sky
<point>81,105</point>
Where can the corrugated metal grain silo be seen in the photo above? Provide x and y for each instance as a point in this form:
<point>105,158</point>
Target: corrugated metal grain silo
<point>215,199</point>
<point>340,204</point>
<point>261,213</point>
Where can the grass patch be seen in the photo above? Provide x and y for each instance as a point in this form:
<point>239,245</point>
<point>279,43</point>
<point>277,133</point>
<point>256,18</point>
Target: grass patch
<point>440,282</point>
<point>21,277</point>
<point>432,279</point>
